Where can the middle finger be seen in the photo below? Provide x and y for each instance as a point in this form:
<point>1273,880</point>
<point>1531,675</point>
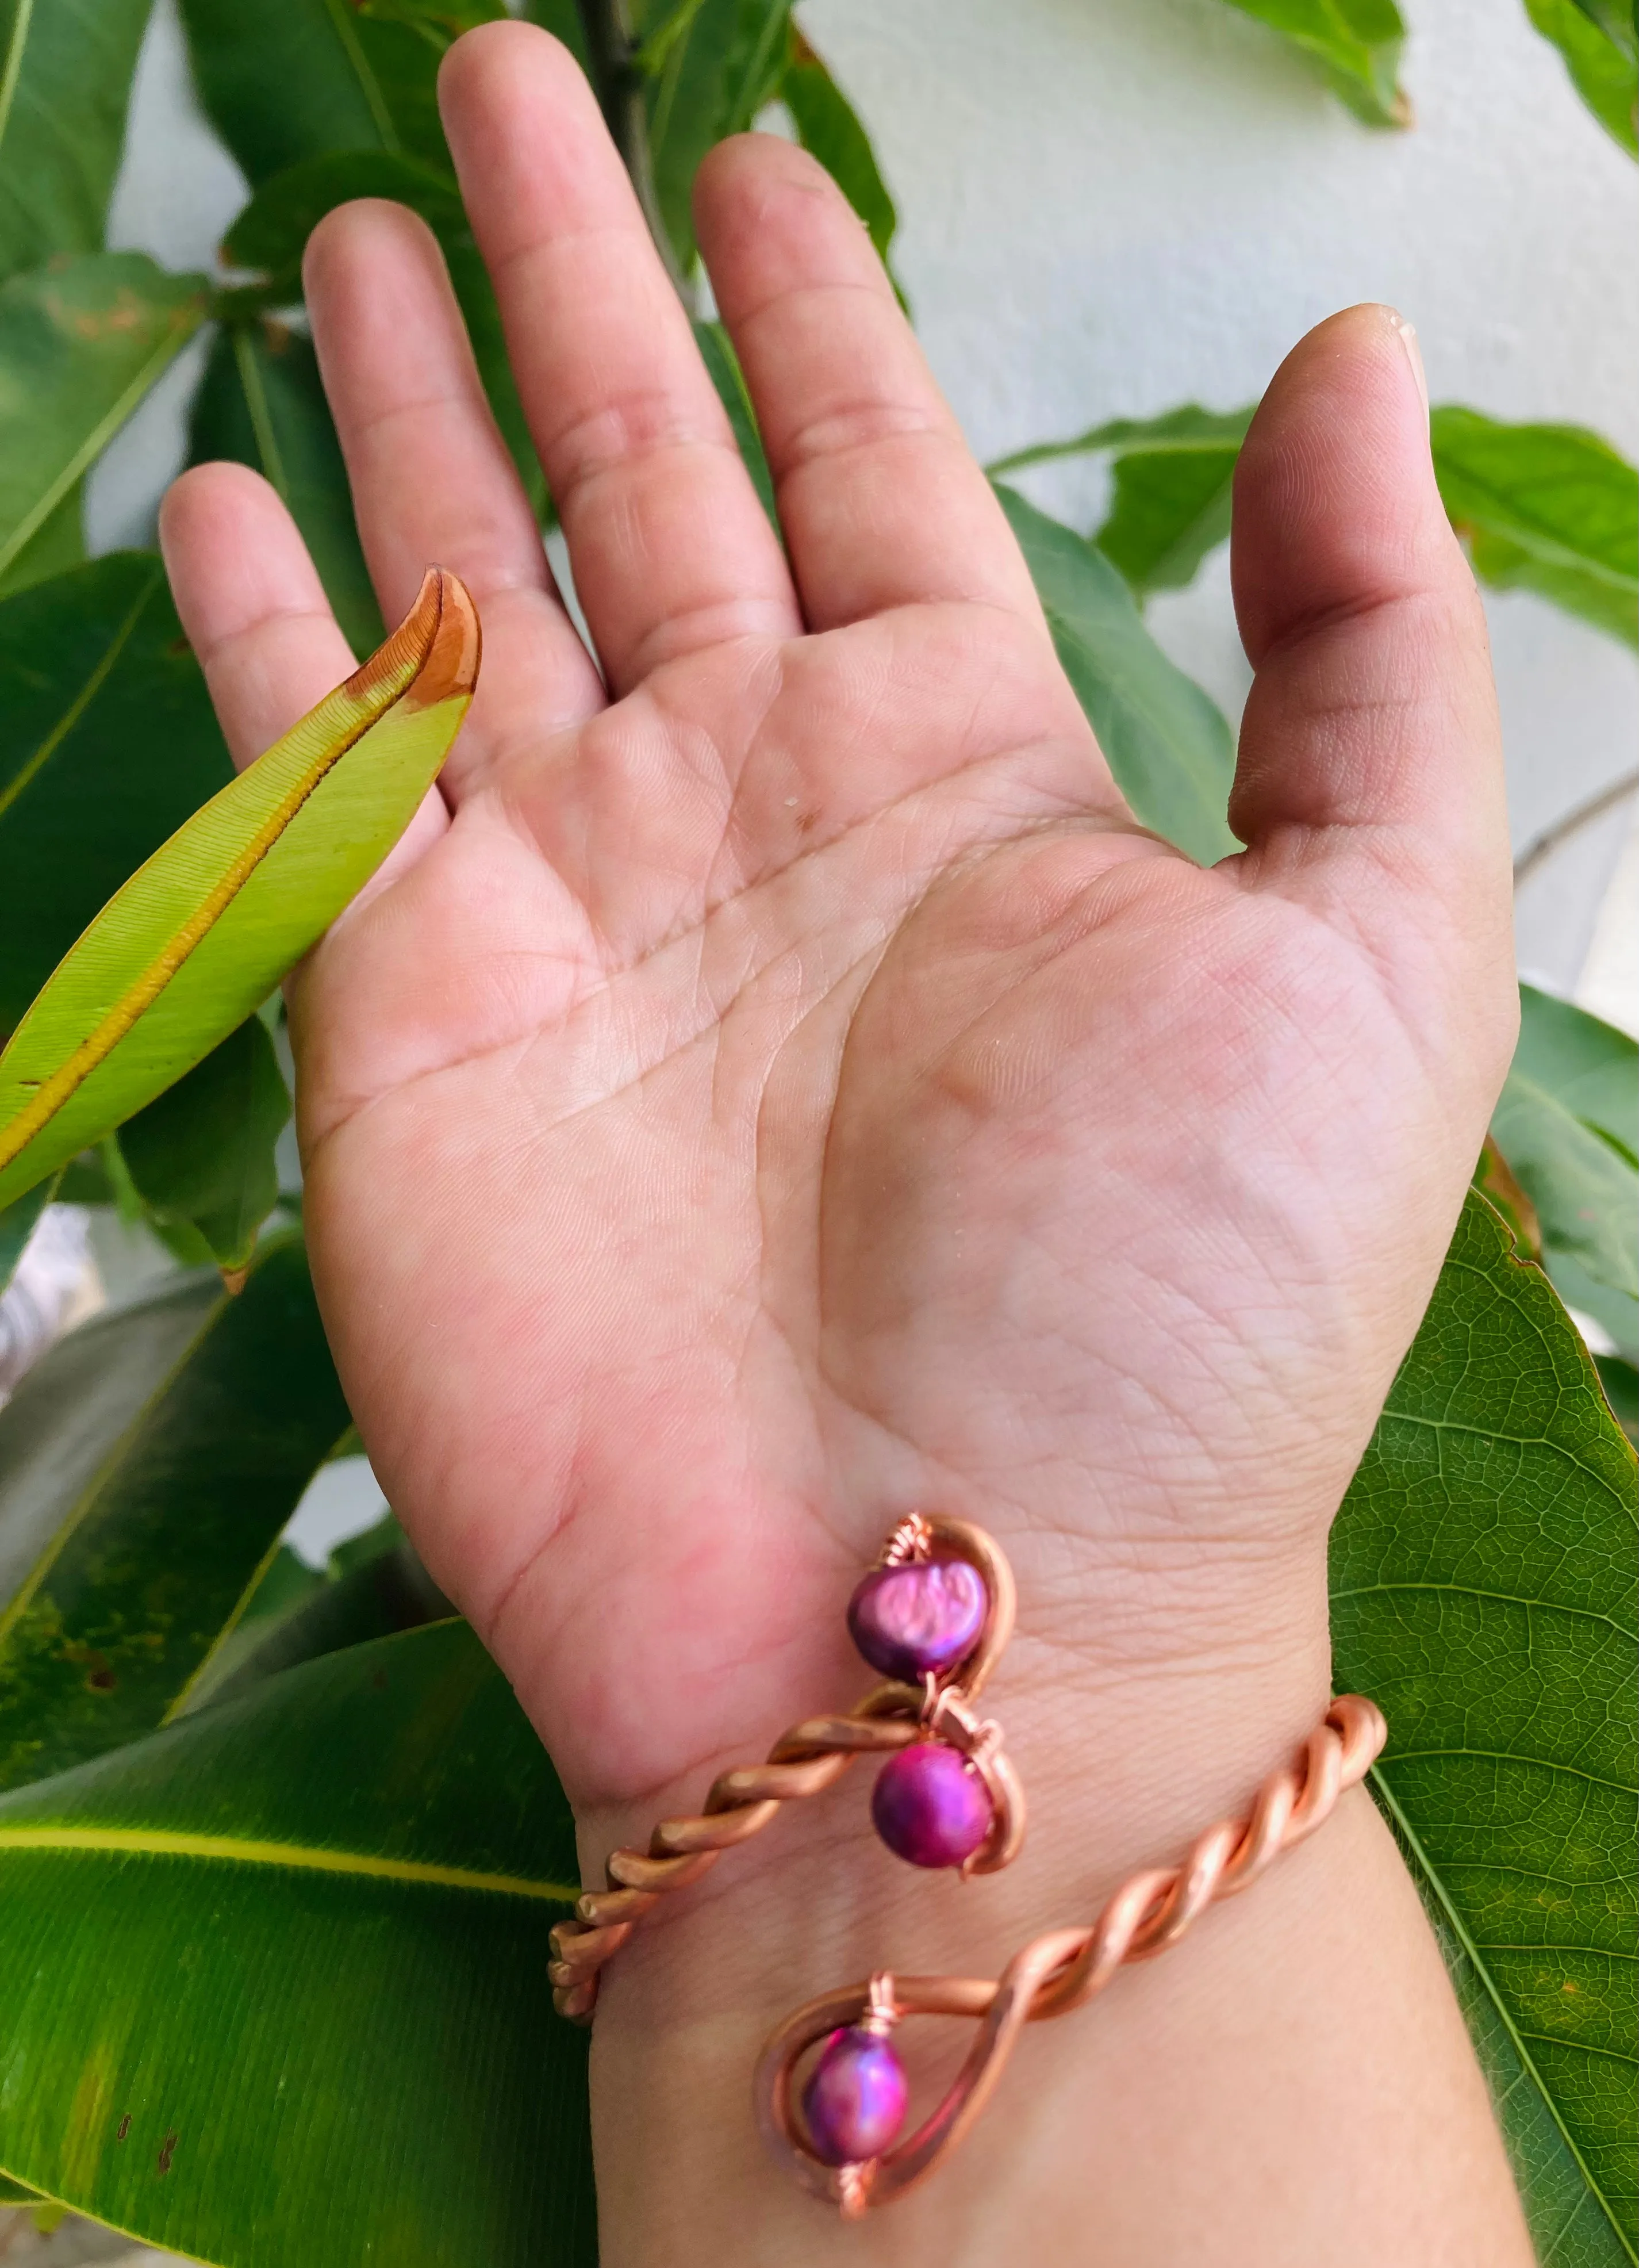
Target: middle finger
<point>671,548</point>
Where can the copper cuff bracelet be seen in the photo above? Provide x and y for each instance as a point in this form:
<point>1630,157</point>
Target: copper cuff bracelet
<point>935,1612</point>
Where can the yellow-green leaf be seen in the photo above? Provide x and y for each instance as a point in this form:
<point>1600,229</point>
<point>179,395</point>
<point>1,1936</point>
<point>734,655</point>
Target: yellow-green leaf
<point>202,932</point>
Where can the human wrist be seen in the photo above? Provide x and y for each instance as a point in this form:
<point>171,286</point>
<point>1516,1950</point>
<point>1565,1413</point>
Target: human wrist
<point>1128,1748</point>
<point>1139,1687</point>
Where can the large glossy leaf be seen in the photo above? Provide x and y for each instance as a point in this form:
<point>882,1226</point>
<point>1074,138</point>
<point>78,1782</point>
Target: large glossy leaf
<point>1482,1582</point>
<point>1546,508</point>
<point>374,1585</point>
<point>201,1156</point>
<point>109,742</point>
<point>261,403</point>
<point>1601,65</point>
<point>56,544</point>
<point>17,1224</point>
<point>1357,43</point>
<point>563,19</point>
<point>1164,741</point>
<point>147,1465</point>
<point>1586,1195</point>
<point>288,79</point>
<point>717,351</point>
<point>198,936</point>
<point>829,129</point>
<point>1569,1124</point>
<point>81,342</point>
<point>275,1979</point>
<point>714,63</point>
<point>271,232</point>
<point>65,79</point>
<point>1586,1064</point>
<point>1171,481</point>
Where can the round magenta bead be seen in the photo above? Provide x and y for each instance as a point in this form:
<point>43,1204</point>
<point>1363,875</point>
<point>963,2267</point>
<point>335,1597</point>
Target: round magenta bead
<point>923,1615</point>
<point>854,2103</point>
<point>930,1806</point>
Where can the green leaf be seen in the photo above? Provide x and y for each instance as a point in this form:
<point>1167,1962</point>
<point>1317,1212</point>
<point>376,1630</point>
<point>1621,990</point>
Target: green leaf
<point>270,232</point>
<point>1357,45</point>
<point>374,1586</point>
<point>275,1979</point>
<point>1602,67</point>
<point>1615,1312</point>
<point>17,2192</point>
<point>1545,508</point>
<point>284,80</point>
<point>56,544</point>
<point>1167,745</point>
<point>1586,1195</point>
<point>561,18</point>
<point>1586,1064</point>
<point>829,129</point>
<point>201,1154</point>
<point>1482,1592</point>
<point>1566,1124</point>
<point>199,936</point>
<point>110,743</point>
<point>719,62</point>
<point>1620,1381</point>
<point>17,1224</point>
<point>1173,477</point>
<point>81,342</point>
<point>261,403</point>
<point>65,80</point>
<point>147,1465</point>
<point>717,349</point>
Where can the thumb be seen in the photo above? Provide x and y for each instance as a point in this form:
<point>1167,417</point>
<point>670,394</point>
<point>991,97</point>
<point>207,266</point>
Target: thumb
<point>1370,754</point>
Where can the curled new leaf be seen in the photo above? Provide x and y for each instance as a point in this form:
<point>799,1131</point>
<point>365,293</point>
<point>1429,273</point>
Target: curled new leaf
<point>202,932</point>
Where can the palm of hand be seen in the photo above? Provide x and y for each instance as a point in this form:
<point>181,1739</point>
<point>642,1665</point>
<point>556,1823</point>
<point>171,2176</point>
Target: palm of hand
<point>796,1092</point>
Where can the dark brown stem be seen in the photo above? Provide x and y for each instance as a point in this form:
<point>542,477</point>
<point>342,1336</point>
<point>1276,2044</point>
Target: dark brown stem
<point>1542,846</point>
<point>611,46</point>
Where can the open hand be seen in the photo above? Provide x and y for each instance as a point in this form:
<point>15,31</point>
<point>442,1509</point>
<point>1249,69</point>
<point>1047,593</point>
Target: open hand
<point>776,1084</point>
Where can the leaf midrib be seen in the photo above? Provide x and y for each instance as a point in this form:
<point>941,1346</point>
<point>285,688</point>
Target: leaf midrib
<point>1385,1796</point>
<point>13,70</point>
<point>157,1843</point>
<point>368,84</point>
<point>33,765</point>
<point>140,995</point>
<point>1496,1598</point>
<point>1502,1757</point>
<point>173,339</point>
<point>90,1493</point>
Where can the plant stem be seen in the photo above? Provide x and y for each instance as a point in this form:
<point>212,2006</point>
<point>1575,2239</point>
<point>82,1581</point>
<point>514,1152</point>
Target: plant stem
<point>613,47</point>
<point>1542,846</point>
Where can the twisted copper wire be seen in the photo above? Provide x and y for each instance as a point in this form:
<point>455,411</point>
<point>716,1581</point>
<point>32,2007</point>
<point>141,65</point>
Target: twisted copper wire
<point>1058,1972</point>
<point>803,1762</point>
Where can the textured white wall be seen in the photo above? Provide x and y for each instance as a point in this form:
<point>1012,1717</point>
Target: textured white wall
<point>1111,206</point>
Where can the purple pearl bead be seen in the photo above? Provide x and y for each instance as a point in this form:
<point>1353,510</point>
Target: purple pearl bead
<point>923,1615</point>
<point>930,1806</point>
<point>854,2103</point>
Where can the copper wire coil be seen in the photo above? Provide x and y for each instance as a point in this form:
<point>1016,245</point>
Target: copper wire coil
<point>805,1762</point>
<point>1057,1972</point>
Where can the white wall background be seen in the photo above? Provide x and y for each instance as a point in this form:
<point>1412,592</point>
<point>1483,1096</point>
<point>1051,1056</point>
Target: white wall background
<point>1112,206</point>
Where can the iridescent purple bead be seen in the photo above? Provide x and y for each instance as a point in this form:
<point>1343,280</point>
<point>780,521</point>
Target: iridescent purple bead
<point>923,1615</point>
<point>930,1806</point>
<point>854,2103</point>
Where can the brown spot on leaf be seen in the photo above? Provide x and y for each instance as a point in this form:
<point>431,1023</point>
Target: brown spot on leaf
<point>178,647</point>
<point>167,2151</point>
<point>123,2128</point>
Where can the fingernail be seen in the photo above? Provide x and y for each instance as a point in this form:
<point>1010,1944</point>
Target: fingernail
<point>1414,356</point>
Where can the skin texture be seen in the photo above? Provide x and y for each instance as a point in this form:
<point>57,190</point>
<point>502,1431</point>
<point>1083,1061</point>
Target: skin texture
<point>775,1085</point>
